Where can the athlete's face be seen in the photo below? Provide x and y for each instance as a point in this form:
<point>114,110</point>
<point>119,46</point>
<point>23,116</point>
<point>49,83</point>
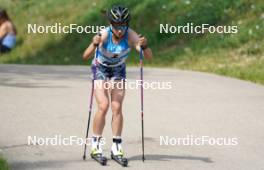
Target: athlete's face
<point>119,29</point>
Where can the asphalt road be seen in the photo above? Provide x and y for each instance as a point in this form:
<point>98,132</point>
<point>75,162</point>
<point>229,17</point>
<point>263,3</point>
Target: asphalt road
<point>45,101</point>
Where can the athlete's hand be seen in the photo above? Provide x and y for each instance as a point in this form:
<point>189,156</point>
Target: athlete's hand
<point>96,40</point>
<point>142,41</point>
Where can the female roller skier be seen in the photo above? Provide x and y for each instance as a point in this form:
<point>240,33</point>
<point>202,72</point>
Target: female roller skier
<point>114,44</point>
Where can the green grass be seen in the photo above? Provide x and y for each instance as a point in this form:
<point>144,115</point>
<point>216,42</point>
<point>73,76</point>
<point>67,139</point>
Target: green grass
<point>237,55</point>
<point>3,164</point>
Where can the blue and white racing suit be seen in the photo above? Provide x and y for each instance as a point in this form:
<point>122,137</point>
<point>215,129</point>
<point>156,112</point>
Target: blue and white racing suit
<point>111,58</point>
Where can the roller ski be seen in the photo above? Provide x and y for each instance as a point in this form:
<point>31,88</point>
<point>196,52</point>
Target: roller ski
<point>99,158</point>
<point>96,151</point>
<point>117,153</point>
<point>120,159</point>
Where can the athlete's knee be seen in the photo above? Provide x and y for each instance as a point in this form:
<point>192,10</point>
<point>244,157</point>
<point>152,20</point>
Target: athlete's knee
<point>116,107</point>
<point>103,107</point>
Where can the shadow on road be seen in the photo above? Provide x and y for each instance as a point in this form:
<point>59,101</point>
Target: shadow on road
<point>170,157</point>
<point>25,165</point>
<point>33,76</point>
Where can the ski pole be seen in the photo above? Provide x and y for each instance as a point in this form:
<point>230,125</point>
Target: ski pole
<point>91,100</point>
<point>142,115</point>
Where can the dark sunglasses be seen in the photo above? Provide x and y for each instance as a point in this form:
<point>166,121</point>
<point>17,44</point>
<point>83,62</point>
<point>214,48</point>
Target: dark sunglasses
<point>120,27</point>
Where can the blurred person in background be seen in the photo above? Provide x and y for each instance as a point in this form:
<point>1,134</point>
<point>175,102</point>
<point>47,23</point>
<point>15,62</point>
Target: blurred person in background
<point>7,32</point>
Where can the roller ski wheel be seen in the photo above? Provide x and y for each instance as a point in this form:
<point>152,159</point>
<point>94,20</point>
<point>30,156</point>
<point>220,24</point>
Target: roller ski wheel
<point>99,158</point>
<point>120,159</point>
